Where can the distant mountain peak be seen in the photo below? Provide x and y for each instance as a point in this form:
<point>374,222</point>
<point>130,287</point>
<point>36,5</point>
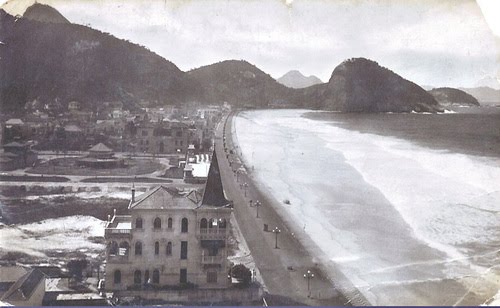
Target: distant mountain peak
<point>362,85</point>
<point>44,13</point>
<point>295,79</point>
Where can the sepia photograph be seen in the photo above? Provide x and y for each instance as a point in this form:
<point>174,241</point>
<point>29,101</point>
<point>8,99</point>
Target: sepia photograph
<point>249,153</point>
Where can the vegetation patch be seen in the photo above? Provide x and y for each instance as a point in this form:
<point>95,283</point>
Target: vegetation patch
<point>68,166</point>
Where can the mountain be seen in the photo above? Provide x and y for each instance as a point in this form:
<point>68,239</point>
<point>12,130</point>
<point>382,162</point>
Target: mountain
<point>295,79</point>
<point>61,62</point>
<point>488,81</point>
<point>44,13</point>
<point>484,95</point>
<point>451,96</point>
<point>239,83</point>
<point>361,85</point>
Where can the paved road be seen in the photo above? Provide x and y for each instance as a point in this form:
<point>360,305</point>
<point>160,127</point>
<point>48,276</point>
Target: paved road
<point>282,268</point>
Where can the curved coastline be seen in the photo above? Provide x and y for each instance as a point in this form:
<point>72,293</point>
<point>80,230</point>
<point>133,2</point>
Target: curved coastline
<point>417,271</point>
<point>322,264</point>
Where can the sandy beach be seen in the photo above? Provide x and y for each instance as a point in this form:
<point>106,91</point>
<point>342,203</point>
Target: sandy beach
<point>349,212</point>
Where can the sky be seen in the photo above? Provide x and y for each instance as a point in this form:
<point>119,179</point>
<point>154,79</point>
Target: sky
<point>431,42</point>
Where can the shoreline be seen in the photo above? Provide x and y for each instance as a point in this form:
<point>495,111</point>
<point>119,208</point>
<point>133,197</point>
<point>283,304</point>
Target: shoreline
<point>273,174</point>
<point>296,240</point>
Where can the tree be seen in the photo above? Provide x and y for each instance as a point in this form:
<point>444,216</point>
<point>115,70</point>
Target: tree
<point>241,273</point>
<point>76,267</point>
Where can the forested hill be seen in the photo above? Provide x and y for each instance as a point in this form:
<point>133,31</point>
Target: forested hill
<point>64,62</point>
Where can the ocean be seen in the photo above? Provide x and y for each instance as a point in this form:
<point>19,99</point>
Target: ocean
<point>407,206</point>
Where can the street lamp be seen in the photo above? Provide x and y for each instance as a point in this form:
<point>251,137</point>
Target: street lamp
<point>257,205</point>
<point>276,231</point>
<point>309,275</point>
<point>245,186</point>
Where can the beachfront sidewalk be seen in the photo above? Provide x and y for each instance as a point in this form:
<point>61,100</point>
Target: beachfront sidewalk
<point>280,257</point>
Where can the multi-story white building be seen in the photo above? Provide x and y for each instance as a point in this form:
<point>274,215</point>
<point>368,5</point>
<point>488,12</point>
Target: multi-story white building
<point>171,239</point>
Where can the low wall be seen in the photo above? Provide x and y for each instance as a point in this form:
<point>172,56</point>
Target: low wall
<point>233,295</point>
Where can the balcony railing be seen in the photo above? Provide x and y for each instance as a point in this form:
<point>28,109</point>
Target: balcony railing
<point>117,232</point>
<point>212,233</point>
<point>212,259</point>
<point>118,258</point>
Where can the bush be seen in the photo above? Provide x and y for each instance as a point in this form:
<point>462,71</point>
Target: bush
<point>241,273</point>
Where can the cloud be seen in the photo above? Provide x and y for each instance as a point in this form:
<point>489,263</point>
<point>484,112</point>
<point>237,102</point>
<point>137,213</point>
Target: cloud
<point>312,36</point>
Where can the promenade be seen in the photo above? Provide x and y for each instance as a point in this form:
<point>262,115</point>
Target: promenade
<point>282,268</point>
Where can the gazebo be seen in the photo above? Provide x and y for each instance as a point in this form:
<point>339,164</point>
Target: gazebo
<point>100,156</point>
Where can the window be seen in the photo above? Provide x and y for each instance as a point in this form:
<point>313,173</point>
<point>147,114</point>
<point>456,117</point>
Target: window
<point>118,277</point>
<point>156,276</point>
<point>184,250</point>
<point>222,223</point>
<point>138,223</point>
<point>183,278</point>
<point>146,277</point>
<point>113,248</point>
<point>138,248</point>
<point>157,223</point>
<point>157,248</point>
<point>137,277</point>
<point>169,249</point>
<point>169,223</point>
<point>212,277</point>
<point>184,225</point>
<point>203,223</point>
<point>123,251</point>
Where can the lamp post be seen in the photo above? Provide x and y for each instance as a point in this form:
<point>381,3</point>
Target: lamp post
<point>276,231</point>
<point>245,186</point>
<point>257,205</point>
<point>309,275</point>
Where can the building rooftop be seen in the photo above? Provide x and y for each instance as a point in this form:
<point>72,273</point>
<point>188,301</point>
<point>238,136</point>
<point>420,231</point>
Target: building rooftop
<point>214,192</point>
<point>72,128</point>
<point>163,197</point>
<point>101,148</point>
<point>24,287</point>
<point>14,122</point>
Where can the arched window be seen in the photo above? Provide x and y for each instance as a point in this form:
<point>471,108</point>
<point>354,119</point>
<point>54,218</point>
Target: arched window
<point>184,225</point>
<point>138,223</point>
<point>157,248</point>
<point>146,277</point>
<point>212,223</point>
<point>113,248</point>
<point>169,249</point>
<point>118,277</point>
<point>156,276</point>
<point>137,277</point>
<point>203,223</point>
<point>222,223</point>
<point>124,248</point>
<point>169,223</point>
<point>138,248</point>
<point>157,223</point>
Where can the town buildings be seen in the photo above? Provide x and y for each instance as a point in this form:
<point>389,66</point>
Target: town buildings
<point>170,239</point>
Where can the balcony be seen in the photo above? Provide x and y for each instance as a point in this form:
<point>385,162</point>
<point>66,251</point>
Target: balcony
<point>212,259</point>
<point>212,233</point>
<point>118,226</point>
<point>117,259</point>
